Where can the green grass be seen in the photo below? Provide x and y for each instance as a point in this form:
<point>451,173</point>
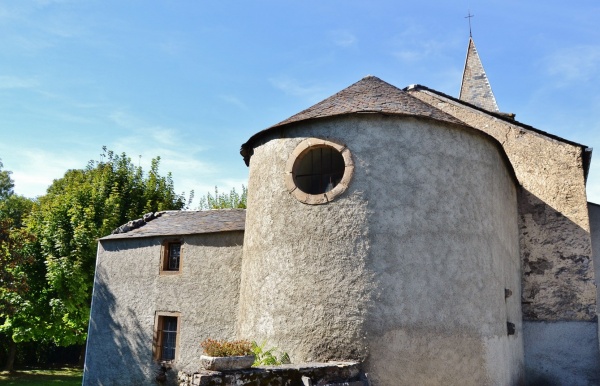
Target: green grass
<point>28,377</point>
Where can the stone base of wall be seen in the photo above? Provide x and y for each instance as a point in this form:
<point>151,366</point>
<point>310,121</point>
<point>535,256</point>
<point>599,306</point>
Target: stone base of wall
<point>305,374</point>
<point>561,353</point>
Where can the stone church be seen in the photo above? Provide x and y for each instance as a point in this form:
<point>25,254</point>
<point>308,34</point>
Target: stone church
<point>436,240</point>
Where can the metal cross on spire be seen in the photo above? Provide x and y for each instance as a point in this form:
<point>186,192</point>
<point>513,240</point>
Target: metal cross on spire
<point>469,16</point>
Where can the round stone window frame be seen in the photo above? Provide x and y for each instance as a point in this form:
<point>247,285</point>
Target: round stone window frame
<point>322,198</point>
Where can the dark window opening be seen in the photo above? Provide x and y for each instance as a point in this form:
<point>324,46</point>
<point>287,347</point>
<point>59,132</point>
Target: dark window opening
<point>169,338</point>
<point>319,170</point>
<point>165,343</point>
<point>173,257</point>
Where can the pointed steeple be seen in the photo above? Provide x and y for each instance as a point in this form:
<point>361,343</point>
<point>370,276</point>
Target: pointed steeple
<point>475,87</point>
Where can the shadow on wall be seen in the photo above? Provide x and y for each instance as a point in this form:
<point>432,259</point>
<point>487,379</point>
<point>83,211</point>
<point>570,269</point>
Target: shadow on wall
<point>557,264</point>
<point>558,294</point>
<point>116,352</point>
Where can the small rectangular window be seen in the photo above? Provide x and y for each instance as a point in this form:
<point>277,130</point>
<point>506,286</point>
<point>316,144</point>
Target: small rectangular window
<point>171,256</point>
<point>169,338</point>
<point>166,328</point>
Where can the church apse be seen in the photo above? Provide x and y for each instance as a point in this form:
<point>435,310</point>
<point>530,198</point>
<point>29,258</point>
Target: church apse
<point>407,270</point>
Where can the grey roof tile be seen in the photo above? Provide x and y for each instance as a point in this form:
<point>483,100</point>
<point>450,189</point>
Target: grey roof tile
<point>171,223</point>
<point>371,95</point>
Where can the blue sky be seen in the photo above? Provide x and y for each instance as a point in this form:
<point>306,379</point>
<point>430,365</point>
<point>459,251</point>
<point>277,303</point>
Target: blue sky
<point>190,81</point>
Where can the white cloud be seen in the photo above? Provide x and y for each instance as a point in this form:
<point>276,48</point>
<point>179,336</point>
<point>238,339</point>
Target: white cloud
<point>124,119</point>
<point>234,101</point>
<point>343,38</point>
<point>292,87</point>
<point>411,51</point>
<point>12,82</point>
<point>574,64</point>
<point>415,43</point>
<point>408,56</point>
<point>38,168</point>
<point>184,157</point>
<point>141,132</point>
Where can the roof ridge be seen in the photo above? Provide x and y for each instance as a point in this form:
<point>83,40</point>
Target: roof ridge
<point>133,224</point>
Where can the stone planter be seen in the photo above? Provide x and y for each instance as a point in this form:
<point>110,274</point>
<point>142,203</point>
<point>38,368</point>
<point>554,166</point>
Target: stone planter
<point>226,363</point>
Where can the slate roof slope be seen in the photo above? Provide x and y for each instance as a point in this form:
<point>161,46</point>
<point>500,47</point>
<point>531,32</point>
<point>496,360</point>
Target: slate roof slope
<point>475,87</point>
<point>171,223</point>
<point>368,95</point>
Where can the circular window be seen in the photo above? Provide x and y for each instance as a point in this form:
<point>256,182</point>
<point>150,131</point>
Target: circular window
<point>318,171</point>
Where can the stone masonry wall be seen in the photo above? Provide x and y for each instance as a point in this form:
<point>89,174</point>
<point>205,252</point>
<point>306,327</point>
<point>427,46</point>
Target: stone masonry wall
<point>558,274</point>
<point>305,374</point>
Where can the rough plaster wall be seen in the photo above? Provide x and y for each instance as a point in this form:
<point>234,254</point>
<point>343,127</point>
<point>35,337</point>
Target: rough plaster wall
<point>128,290</point>
<point>561,353</point>
<point>594,213</point>
<point>303,271</point>
<point>406,269</point>
<point>558,281</point>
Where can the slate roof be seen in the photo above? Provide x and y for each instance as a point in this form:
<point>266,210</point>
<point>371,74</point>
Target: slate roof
<point>171,223</point>
<point>368,95</point>
<point>475,87</point>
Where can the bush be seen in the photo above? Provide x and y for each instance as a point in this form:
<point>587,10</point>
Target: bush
<point>223,348</point>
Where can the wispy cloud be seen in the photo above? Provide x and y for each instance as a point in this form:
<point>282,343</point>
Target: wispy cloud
<point>37,168</point>
<point>181,155</point>
<point>139,131</point>
<point>574,64</point>
<point>172,45</point>
<point>234,101</point>
<point>343,38</point>
<point>12,82</point>
<point>290,86</point>
<point>415,43</point>
<point>412,51</point>
<point>124,119</point>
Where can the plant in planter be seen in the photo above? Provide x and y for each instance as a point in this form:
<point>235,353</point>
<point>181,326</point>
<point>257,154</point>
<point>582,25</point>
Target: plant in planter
<point>226,355</point>
<point>267,357</point>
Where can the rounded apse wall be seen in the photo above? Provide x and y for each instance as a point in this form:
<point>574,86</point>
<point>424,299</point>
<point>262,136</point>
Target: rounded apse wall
<point>409,263</point>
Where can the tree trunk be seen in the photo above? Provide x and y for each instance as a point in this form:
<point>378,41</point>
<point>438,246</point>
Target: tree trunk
<point>82,355</point>
<point>12,352</point>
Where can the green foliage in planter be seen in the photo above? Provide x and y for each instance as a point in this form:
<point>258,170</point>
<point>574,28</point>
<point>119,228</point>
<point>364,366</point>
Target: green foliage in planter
<point>224,348</point>
<point>267,357</point>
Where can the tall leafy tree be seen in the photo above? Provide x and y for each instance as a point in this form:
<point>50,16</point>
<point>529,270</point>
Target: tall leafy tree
<point>231,200</point>
<point>19,282</point>
<point>79,208</point>
<point>6,183</point>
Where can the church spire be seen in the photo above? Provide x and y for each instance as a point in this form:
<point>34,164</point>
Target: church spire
<point>475,87</point>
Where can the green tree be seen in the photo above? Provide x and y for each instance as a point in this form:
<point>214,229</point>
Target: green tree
<point>20,280</point>
<point>79,208</point>
<point>231,200</point>
<point>6,183</point>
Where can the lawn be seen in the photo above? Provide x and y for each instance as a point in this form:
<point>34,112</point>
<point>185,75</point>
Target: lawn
<point>28,377</point>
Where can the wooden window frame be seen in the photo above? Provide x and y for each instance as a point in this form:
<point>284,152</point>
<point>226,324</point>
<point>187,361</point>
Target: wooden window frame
<point>164,257</point>
<point>157,343</point>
